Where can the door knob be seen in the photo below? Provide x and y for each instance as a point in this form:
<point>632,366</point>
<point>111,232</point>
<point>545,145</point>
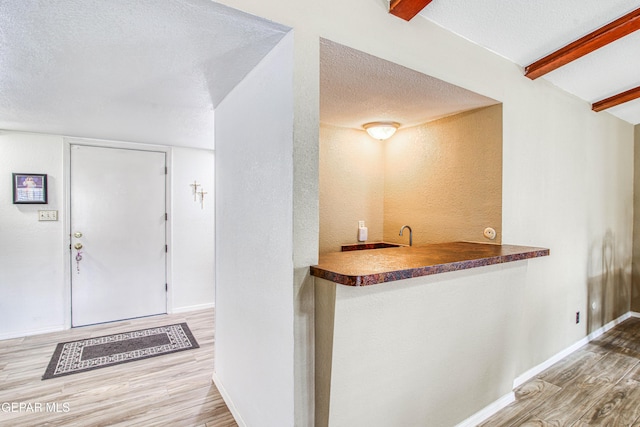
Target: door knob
<point>77,234</point>
<point>78,246</point>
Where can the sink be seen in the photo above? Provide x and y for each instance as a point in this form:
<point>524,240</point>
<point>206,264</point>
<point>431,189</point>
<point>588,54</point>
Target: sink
<point>374,245</point>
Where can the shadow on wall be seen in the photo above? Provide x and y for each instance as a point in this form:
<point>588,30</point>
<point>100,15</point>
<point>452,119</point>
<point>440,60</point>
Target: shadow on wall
<point>608,292</point>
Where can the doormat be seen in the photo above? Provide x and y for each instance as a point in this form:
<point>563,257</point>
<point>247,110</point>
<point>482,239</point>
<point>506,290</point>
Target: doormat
<point>93,353</point>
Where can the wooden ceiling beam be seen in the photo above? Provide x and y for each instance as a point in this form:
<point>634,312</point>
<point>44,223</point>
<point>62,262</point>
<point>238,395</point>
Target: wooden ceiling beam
<point>601,37</point>
<point>618,99</point>
<point>407,9</point>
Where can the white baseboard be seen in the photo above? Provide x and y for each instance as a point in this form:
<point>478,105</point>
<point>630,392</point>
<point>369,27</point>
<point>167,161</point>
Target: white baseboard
<point>21,334</point>
<point>488,411</point>
<point>505,400</point>
<point>177,310</point>
<point>595,334</point>
<point>228,401</point>
<point>526,376</point>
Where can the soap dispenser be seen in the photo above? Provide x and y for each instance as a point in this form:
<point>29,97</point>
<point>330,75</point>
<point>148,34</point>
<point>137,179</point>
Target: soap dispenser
<point>362,232</point>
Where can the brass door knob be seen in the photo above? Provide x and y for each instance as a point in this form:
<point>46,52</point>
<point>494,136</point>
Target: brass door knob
<point>77,234</point>
<point>78,246</point>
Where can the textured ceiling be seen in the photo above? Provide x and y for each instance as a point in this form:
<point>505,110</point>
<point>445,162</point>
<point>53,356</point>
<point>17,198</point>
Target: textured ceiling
<point>153,71</point>
<point>524,31</point>
<point>144,70</point>
<point>357,88</point>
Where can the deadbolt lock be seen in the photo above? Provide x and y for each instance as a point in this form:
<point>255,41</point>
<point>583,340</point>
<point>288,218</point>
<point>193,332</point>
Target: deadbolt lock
<point>78,246</point>
<point>77,234</point>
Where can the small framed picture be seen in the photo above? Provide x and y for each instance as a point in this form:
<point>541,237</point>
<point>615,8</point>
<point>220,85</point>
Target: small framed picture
<point>29,188</point>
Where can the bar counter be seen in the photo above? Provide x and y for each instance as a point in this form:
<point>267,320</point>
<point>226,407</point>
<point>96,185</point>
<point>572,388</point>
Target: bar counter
<point>374,266</point>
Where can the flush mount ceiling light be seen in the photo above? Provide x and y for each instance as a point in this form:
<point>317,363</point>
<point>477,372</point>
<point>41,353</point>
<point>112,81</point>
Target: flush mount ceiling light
<point>381,130</point>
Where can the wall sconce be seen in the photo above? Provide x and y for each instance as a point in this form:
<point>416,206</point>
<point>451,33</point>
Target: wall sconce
<point>381,130</point>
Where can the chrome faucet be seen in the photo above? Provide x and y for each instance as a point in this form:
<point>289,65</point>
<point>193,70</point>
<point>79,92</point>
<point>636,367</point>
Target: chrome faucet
<point>410,234</point>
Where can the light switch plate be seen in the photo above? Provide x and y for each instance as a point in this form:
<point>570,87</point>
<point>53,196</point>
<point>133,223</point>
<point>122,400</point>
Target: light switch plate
<point>47,215</point>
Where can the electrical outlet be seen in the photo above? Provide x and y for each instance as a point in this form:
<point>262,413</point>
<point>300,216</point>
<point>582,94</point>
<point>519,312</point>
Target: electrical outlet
<point>360,224</point>
<point>47,215</point>
<point>577,317</point>
<point>489,233</point>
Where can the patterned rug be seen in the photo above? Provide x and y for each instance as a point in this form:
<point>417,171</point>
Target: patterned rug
<point>92,353</point>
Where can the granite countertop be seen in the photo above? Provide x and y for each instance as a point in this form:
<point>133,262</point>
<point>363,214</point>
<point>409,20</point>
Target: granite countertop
<point>373,266</point>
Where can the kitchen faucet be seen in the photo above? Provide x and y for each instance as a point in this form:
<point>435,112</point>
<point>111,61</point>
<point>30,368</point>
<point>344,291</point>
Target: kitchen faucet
<point>410,234</point>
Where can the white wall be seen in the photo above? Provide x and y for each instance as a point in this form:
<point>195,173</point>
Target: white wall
<point>192,261</point>
<point>33,255</point>
<point>31,252</point>
<point>254,256</point>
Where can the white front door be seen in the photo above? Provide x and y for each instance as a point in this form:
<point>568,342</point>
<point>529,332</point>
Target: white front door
<point>118,216</point>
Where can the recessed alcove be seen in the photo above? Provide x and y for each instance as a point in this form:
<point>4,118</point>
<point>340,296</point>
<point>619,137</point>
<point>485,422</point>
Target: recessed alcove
<point>441,172</point>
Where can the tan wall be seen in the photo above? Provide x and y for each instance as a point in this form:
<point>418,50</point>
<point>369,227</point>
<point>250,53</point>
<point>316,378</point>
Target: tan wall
<point>567,182</point>
<point>387,348</point>
<point>444,179</point>
<point>635,289</point>
<point>351,186</point>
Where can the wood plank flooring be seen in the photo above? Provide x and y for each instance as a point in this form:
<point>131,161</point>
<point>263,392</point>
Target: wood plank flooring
<point>598,385</point>
<point>169,390</point>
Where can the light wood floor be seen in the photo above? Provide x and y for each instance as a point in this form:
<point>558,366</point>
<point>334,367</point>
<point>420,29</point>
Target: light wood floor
<point>169,390</point>
<point>598,385</point>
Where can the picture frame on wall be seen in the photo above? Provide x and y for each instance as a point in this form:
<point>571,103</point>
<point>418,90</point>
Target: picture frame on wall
<point>29,188</point>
